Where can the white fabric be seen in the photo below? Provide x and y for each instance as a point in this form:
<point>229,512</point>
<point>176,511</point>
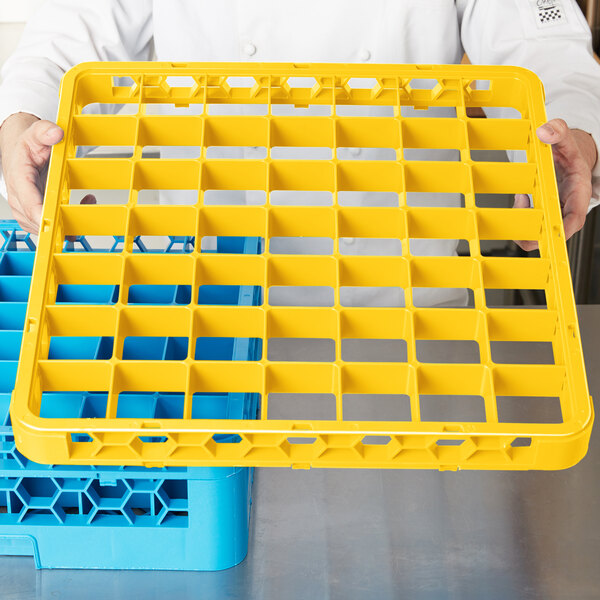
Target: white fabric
<point>509,32</point>
<point>66,32</point>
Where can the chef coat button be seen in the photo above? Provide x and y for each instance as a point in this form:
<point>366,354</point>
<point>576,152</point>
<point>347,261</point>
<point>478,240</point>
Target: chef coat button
<point>348,240</point>
<point>355,151</point>
<point>250,49</point>
<point>364,55</point>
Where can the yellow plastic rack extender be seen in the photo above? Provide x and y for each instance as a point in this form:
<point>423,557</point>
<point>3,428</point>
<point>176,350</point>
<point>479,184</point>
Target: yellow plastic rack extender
<point>345,94</point>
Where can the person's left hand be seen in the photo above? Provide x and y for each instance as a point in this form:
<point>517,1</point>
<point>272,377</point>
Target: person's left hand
<point>575,156</point>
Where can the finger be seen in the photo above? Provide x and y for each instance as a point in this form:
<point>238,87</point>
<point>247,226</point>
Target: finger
<point>16,211</point>
<point>557,133</point>
<point>528,246</point>
<point>24,223</point>
<point>88,199</point>
<point>25,184</point>
<point>573,223</point>
<point>25,226</point>
<point>575,210</point>
<point>522,201</point>
<point>26,194</point>
<point>575,199</point>
<point>39,138</point>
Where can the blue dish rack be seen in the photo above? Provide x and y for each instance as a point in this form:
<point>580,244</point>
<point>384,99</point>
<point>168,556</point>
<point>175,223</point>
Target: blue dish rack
<point>75,517</point>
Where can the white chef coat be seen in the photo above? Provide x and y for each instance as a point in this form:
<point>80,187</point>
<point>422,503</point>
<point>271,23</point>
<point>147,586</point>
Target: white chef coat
<point>555,44</point>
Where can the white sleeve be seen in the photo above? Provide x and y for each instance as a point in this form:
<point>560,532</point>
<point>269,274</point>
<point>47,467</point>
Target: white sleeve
<point>61,34</point>
<point>550,38</point>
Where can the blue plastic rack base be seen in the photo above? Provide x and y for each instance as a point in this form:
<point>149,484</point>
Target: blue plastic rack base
<point>120,517</point>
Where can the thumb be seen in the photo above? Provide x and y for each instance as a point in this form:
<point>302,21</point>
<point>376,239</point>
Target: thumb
<point>553,132</point>
<point>40,137</point>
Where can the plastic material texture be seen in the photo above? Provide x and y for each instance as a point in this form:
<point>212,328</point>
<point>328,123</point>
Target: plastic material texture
<point>113,517</point>
<point>261,107</point>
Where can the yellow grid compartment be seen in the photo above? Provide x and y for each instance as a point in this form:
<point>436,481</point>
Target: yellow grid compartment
<point>488,443</point>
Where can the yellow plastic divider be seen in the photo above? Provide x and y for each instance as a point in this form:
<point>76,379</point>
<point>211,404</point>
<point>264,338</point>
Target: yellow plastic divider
<point>403,109</point>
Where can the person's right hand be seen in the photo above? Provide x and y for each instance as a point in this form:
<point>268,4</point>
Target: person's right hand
<point>25,146</point>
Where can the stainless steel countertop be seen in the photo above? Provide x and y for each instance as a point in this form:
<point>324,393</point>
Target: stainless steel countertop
<point>346,534</point>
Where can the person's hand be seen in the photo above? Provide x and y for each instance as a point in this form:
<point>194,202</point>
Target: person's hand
<point>575,156</point>
<point>25,146</point>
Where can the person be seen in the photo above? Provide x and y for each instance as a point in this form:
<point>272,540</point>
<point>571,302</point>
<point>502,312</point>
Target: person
<point>549,37</point>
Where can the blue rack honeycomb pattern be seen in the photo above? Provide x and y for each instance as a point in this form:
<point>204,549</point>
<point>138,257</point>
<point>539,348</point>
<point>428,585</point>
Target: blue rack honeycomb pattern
<point>120,517</point>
